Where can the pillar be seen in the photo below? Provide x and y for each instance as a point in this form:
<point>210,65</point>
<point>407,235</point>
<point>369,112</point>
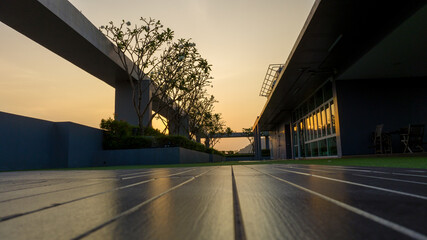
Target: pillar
<point>257,143</point>
<point>181,128</point>
<point>267,142</point>
<point>124,107</point>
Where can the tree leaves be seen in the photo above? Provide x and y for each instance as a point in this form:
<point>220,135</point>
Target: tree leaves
<point>178,74</point>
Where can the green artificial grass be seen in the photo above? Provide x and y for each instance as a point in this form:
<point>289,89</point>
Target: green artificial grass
<point>395,162</point>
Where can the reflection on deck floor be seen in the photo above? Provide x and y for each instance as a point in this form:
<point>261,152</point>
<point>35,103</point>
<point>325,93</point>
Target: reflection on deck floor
<point>228,202</point>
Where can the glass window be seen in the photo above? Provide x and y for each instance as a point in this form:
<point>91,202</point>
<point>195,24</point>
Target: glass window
<point>294,133</point>
<point>333,117</point>
<point>319,124</point>
<point>328,119</point>
<point>307,129</point>
<point>301,133</point>
<point>324,121</point>
<point>313,120</point>
<point>332,146</point>
<point>302,150</point>
<point>307,150</point>
<point>310,118</point>
<point>323,149</point>
<point>314,149</point>
<point>315,125</point>
<point>296,151</point>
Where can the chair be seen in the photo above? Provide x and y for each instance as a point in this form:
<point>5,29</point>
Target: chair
<point>382,141</point>
<point>413,138</point>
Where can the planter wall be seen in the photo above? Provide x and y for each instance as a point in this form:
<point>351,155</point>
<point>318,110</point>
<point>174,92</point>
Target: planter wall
<point>29,143</point>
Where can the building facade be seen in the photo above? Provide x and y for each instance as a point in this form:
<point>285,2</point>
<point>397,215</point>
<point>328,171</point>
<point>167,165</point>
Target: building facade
<point>354,66</point>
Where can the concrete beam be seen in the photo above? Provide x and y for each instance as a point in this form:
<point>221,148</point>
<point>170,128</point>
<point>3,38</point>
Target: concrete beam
<point>61,28</point>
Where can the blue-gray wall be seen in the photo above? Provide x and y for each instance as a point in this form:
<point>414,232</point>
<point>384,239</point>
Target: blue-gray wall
<point>25,143</point>
<point>363,104</point>
<point>29,143</point>
<point>78,144</point>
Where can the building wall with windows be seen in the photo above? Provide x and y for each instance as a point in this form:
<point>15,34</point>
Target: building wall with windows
<point>312,130</point>
<point>345,76</point>
<point>313,125</point>
<point>360,105</point>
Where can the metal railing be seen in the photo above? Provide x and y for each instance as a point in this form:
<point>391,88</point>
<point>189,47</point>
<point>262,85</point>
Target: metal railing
<point>271,77</point>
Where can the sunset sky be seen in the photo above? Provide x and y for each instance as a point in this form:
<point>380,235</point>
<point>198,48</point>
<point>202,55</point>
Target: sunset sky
<point>240,38</point>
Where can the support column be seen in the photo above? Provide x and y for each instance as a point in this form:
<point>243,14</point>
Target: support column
<point>124,108</point>
<point>181,129</point>
<point>184,128</point>
<point>257,143</point>
<point>267,142</point>
<point>267,145</point>
<point>207,142</point>
<point>337,118</point>
<point>288,141</point>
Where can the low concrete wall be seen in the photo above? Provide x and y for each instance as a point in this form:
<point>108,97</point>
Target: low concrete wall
<point>25,143</point>
<point>77,145</point>
<point>29,143</point>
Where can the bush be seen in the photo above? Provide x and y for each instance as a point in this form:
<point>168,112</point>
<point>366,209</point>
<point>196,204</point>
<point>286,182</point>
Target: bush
<point>138,142</point>
<point>214,151</point>
<point>120,129</point>
<point>130,142</point>
<point>180,141</point>
<point>241,155</point>
<point>122,135</point>
<point>153,132</point>
<point>170,141</point>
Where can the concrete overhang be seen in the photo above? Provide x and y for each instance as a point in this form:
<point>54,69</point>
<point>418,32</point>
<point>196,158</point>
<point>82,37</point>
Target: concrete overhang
<point>63,29</point>
<point>342,38</point>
